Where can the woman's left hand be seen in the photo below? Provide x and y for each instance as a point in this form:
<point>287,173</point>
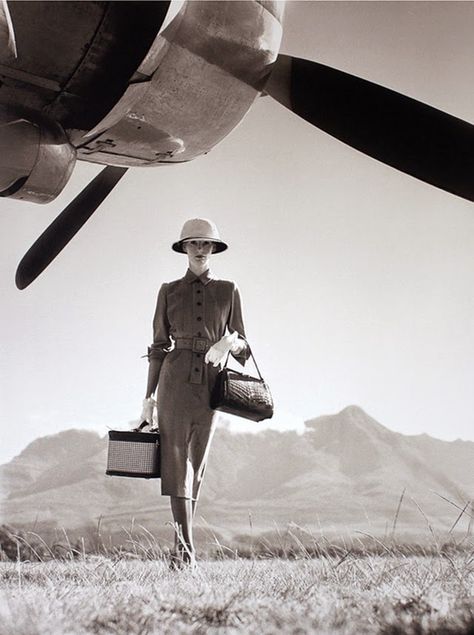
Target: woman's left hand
<point>218,351</point>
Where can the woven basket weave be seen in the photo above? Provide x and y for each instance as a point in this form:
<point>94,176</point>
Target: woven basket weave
<point>135,454</point>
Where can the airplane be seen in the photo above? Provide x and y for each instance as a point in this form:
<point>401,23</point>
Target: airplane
<point>77,83</point>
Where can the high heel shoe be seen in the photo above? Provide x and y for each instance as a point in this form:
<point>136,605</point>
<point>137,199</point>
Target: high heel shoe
<point>182,559</point>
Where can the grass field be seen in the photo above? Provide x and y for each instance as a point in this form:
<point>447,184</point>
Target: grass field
<point>353,593</point>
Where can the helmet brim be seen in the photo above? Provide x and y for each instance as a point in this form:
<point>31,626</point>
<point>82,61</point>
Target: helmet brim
<point>219,245</point>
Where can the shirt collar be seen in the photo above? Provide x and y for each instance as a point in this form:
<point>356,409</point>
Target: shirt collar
<point>205,277</point>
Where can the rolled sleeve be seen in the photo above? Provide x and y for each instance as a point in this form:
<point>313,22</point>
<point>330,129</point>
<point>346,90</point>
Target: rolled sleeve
<point>236,323</point>
<point>161,328</point>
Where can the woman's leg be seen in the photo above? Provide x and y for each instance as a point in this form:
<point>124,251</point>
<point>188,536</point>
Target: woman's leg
<point>182,509</point>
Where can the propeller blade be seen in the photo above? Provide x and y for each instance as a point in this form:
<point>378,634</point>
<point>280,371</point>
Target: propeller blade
<point>66,225</point>
<point>404,133</point>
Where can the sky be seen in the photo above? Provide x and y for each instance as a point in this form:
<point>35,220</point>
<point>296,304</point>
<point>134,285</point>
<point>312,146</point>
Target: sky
<point>357,281</point>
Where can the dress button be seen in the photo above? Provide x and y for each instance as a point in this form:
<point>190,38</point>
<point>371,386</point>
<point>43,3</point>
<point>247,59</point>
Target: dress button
<point>196,370</point>
<point>199,333</point>
<point>198,291</point>
<point>199,303</point>
<point>198,355</point>
<point>199,319</point>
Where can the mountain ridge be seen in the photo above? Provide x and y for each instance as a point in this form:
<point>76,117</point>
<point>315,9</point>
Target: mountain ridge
<point>344,468</point>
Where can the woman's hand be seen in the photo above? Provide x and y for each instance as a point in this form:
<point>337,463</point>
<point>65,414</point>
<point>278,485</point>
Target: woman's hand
<point>147,410</point>
<point>218,351</point>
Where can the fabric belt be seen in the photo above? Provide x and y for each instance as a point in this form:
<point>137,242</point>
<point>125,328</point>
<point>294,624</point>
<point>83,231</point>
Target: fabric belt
<point>195,344</point>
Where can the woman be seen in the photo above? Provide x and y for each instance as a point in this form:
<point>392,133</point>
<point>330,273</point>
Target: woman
<point>198,320</point>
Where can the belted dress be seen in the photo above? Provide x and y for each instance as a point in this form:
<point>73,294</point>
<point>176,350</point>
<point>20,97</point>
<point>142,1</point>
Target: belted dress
<point>192,313</point>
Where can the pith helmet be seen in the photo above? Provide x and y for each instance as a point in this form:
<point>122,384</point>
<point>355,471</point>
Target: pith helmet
<point>199,229</point>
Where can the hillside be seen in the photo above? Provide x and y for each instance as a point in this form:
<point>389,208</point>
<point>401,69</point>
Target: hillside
<point>346,471</point>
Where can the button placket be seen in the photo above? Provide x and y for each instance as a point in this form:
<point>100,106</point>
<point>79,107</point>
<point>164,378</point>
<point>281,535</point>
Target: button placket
<point>197,361</point>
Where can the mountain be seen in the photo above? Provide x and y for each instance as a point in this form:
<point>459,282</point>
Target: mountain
<point>346,471</point>
<point>377,458</point>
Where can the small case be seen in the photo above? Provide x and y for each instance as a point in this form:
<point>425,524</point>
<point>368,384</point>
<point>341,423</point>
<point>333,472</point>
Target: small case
<point>135,454</point>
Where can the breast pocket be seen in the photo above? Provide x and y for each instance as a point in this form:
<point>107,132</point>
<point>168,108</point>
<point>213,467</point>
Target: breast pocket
<point>175,311</point>
<point>219,306</point>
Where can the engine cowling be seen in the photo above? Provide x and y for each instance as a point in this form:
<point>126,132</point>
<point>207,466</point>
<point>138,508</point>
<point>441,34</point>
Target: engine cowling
<point>36,157</point>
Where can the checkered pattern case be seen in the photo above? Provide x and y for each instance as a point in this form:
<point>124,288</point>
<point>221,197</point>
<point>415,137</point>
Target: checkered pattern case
<point>134,454</point>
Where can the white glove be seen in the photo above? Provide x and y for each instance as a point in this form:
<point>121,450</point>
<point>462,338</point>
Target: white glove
<point>218,351</point>
<point>147,411</point>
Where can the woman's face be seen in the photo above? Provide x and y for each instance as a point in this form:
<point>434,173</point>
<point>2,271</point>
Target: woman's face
<point>199,252</point>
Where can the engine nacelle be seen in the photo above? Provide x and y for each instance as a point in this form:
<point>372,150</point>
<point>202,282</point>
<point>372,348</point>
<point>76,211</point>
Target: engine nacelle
<point>36,158</point>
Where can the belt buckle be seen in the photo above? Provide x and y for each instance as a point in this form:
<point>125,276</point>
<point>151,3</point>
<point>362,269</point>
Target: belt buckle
<point>199,344</point>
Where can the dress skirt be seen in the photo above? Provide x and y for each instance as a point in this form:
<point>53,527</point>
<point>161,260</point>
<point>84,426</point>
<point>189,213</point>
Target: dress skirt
<point>186,424</point>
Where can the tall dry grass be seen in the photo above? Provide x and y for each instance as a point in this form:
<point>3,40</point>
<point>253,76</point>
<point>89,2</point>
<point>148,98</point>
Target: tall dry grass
<point>367,586</point>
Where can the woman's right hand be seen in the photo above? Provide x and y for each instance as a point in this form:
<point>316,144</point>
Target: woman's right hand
<point>147,410</point>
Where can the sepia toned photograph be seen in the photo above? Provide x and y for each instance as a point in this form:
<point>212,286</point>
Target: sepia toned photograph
<point>237,343</point>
